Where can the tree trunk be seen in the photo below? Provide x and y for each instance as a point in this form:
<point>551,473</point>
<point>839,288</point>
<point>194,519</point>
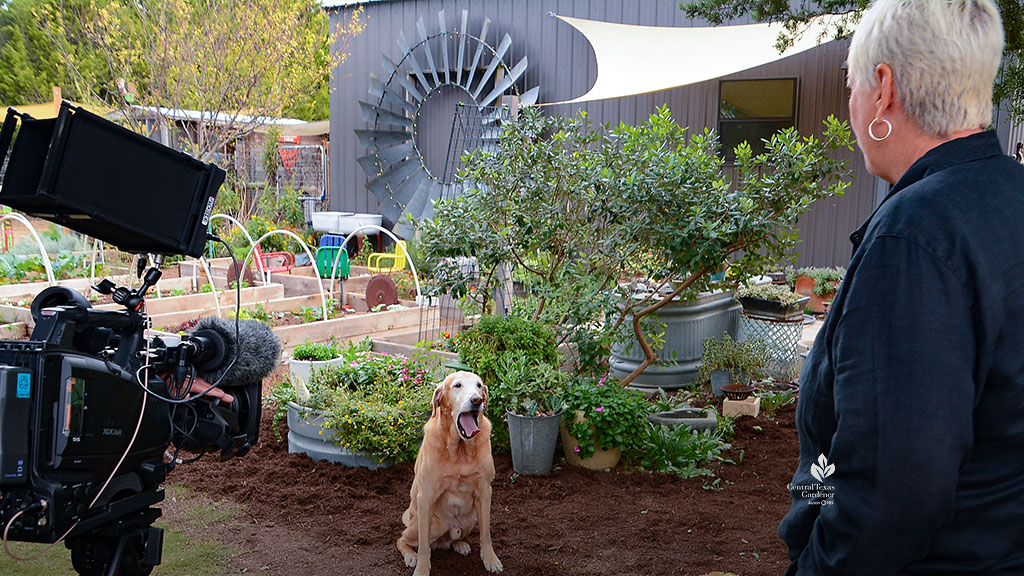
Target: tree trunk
<point>649,355</point>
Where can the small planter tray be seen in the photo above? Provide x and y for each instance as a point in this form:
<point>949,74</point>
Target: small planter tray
<point>772,309</point>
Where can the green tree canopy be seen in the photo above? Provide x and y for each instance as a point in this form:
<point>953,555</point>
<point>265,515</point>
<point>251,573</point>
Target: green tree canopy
<point>1009,88</point>
<point>35,59</point>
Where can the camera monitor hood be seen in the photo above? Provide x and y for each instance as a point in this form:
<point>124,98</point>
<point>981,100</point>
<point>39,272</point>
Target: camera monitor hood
<point>103,180</point>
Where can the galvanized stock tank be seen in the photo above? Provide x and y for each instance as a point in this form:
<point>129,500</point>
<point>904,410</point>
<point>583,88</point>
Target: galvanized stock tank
<point>687,325</point>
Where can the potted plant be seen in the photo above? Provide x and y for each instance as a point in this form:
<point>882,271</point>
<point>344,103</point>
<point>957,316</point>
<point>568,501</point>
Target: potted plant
<point>820,284</point>
<point>607,420</point>
<point>772,301</point>
<point>531,393</point>
<point>726,361</point>
<point>367,411</point>
<point>484,346</point>
<point>309,356</point>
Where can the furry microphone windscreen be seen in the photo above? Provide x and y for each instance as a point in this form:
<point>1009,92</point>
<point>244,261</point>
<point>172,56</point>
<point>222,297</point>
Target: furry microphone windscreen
<point>259,351</point>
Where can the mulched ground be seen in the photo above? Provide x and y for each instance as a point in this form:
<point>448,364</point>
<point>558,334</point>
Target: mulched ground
<point>309,519</point>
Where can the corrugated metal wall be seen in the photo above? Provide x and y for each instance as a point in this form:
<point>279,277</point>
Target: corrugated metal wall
<point>562,62</point>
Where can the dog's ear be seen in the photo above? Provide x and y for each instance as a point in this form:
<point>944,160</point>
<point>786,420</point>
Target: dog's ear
<point>487,399</point>
<point>439,392</point>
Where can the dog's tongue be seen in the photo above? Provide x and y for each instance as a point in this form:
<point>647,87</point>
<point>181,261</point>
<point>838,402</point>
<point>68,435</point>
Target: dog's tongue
<point>468,424</point>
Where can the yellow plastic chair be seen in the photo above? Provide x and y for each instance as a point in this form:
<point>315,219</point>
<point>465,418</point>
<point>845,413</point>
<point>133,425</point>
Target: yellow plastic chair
<point>386,262</point>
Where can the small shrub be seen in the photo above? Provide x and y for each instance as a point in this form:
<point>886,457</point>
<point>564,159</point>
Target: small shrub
<point>742,359</point>
<point>614,417</point>
<point>315,352</point>
<point>775,292</point>
<point>483,345</point>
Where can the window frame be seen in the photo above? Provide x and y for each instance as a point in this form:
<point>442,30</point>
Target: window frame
<point>727,153</point>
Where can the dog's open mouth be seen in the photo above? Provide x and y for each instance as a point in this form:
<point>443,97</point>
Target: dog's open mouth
<point>468,424</point>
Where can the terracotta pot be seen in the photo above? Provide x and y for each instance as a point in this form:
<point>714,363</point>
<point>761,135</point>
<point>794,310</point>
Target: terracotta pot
<point>805,287</point>
<point>600,460</point>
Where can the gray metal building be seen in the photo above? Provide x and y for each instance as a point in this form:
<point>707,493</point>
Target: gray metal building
<point>562,64</point>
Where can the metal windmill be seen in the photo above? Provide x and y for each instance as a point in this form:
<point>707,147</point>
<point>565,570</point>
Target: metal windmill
<point>399,175</point>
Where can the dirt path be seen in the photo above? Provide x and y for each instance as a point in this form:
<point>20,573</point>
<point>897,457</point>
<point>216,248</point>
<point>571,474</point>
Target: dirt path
<point>317,519</point>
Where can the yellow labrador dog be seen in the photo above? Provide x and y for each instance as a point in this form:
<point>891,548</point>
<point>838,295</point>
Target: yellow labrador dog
<point>451,491</point>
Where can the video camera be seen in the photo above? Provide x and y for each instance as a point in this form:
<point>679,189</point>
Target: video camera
<point>90,405</point>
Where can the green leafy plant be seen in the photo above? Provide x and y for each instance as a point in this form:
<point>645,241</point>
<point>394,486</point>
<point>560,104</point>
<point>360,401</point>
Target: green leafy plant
<point>312,351</point>
<point>376,403</point>
<point>684,452</point>
<point>483,345</point>
<point>527,388</point>
<point>177,292</point>
<point>744,360</point>
<point>571,204</point>
<point>771,403</point>
<point>234,284</point>
<point>612,416</point>
<point>259,313</point>
<point>775,292</point>
<point>826,280</point>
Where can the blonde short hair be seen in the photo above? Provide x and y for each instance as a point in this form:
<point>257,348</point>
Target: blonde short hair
<point>944,55</point>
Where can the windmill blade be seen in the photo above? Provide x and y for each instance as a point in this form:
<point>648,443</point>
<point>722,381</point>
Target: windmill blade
<point>384,94</point>
<point>426,46</point>
<point>384,185</point>
<point>375,115</point>
<point>376,162</point>
<point>398,75</point>
<point>502,48</point>
<point>430,188</point>
<point>403,45</point>
<point>382,138</point>
<point>479,50</point>
<point>404,193</point>
<point>444,48</point>
<point>529,98</point>
<point>506,82</point>
<point>462,47</point>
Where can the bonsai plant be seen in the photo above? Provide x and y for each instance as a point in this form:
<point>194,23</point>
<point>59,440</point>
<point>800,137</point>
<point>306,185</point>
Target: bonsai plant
<point>571,206</point>
<point>608,420</point>
<point>775,301</point>
<point>531,396</point>
<point>820,284</point>
<point>726,361</point>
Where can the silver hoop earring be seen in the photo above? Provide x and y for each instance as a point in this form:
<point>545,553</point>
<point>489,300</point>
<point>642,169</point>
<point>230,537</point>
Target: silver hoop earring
<point>871,129</point>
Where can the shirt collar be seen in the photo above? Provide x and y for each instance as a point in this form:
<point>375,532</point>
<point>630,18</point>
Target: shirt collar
<point>966,149</point>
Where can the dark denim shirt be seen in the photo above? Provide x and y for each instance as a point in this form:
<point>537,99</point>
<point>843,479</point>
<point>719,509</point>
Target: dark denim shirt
<point>914,388</point>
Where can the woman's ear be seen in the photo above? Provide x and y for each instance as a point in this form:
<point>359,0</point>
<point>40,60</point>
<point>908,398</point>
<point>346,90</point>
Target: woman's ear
<point>887,97</point>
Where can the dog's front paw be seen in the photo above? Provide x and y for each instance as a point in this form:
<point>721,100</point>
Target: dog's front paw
<point>462,547</point>
<point>422,569</point>
<point>410,560</point>
<point>492,563</point>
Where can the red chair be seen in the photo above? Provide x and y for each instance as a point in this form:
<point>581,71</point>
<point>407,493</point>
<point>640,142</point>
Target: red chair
<point>276,261</point>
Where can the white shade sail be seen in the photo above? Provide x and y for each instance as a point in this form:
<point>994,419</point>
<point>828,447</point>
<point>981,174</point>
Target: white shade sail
<point>634,60</point>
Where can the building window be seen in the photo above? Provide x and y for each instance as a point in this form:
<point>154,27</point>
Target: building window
<point>753,110</point>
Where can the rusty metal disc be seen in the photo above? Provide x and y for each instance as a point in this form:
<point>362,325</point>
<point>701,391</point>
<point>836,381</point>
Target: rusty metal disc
<point>381,289</point>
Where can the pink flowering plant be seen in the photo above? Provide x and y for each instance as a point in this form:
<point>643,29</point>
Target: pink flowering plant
<point>613,416</point>
<point>376,403</point>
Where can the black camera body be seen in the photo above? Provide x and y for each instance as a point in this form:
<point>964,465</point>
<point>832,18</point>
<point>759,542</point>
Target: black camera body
<point>93,412</point>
